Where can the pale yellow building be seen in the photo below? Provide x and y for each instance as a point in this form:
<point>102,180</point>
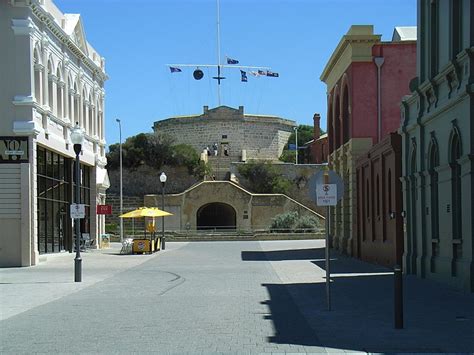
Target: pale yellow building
<point>51,78</point>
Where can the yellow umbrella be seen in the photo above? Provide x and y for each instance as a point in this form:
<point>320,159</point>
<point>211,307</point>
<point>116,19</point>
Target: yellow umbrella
<point>146,212</point>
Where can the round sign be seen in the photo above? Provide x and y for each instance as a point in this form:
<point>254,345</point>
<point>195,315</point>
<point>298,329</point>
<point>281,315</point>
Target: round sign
<point>141,245</point>
<point>318,179</point>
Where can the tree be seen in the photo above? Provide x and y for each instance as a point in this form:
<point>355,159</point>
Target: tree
<point>263,177</point>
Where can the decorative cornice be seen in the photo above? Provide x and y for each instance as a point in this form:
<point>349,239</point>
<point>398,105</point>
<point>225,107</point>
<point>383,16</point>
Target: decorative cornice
<point>22,27</point>
<point>48,20</point>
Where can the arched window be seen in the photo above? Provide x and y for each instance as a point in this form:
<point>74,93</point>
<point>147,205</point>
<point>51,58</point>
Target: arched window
<point>378,195</point>
<point>345,115</point>
<point>337,123</point>
<point>50,85</point>
<point>367,198</point>
<point>91,117</point>
<point>77,117</point>
<point>456,186</point>
<point>59,94</point>
<point>433,163</point>
<point>37,77</point>
<point>330,127</point>
<point>389,192</point>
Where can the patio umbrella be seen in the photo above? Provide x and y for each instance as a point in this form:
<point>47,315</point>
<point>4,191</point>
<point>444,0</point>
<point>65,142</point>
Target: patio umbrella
<point>145,212</point>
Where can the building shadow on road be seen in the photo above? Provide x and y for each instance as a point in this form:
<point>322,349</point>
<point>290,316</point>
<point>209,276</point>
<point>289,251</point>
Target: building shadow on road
<point>281,255</point>
<point>436,318</point>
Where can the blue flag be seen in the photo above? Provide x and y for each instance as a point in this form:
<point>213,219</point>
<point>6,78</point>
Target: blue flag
<point>232,61</point>
<point>175,70</point>
<point>243,76</point>
<point>270,73</point>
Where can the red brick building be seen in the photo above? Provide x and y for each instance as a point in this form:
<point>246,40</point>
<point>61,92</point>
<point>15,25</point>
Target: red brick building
<point>379,202</point>
<point>318,147</point>
<point>366,79</point>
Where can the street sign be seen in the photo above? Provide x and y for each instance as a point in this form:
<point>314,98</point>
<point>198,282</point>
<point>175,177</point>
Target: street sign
<point>318,179</point>
<point>78,211</point>
<point>326,195</point>
<point>104,209</point>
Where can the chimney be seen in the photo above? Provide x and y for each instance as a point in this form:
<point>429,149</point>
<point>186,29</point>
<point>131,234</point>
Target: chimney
<point>205,109</point>
<point>317,128</point>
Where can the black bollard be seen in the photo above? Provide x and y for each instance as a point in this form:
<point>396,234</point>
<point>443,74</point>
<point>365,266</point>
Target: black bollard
<point>398,297</point>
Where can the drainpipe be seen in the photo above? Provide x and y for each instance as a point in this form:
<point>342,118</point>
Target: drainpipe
<point>378,62</point>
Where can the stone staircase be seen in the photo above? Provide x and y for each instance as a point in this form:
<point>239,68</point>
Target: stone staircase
<point>220,166</point>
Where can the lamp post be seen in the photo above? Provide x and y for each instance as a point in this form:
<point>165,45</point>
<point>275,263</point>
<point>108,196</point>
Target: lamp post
<point>163,178</point>
<point>77,137</point>
<point>296,141</point>
<point>121,188</point>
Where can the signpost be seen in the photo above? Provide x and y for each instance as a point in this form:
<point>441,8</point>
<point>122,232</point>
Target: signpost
<point>78,211</point>
<point>328,188</point>
<point>104,209</point>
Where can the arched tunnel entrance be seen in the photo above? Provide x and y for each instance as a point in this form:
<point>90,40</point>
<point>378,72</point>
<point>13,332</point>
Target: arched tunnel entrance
<point>216,215</point>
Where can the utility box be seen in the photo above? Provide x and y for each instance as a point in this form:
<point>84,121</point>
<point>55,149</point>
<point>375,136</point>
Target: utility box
<point>141,246</point>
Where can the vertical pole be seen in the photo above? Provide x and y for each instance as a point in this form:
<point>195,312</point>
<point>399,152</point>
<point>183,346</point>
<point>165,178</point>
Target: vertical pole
<point>162,217</point>
<point>77,259</point>
<point>218,55</point>
<point>328,270</point>
<point>398,297</point>
<point>121,183</point>
<point>296,144</point>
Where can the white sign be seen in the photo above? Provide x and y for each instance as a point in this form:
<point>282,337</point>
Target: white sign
<point>326,195</point>
<point>78,211</point>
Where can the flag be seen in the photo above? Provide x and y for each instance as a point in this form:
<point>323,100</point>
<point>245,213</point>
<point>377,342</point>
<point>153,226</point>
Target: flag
<point>261,72</point>
<point>270,73</point>
<point>254,73</point>
<point>232,61</point>
<point>175,70</point>
<point>243,76</point>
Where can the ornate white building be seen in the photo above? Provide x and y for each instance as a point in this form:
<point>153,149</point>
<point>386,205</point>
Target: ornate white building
<point>51,78</point>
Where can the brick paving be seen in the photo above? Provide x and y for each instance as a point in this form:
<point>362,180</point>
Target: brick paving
<point>224,297</point>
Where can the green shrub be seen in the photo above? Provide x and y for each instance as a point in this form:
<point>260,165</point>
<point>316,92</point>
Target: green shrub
<point>292,222</point>
<point>306,224</point>
<point>283,223</point>
<point>111,228</point>
<point>263,177</point>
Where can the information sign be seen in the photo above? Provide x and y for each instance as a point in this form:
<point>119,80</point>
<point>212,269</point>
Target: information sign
<point>78,211</point>
<point>326,195</point>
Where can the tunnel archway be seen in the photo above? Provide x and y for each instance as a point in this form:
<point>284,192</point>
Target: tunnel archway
<point>216,215</point>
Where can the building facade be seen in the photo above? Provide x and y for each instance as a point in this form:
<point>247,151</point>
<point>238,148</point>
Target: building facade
<point>316,150</point>
<point>366,79</point>
<point>379,203</point>
<point>437,131</point>
<point>237,135</point>
<point>51,78</point>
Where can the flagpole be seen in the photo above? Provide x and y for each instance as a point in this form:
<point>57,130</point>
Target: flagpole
<point>218,55</point>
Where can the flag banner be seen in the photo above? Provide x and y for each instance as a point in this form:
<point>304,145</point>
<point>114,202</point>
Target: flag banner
<point>254,73</point>
<point>232,61</point>
<point>175,70</point>
<point>243,76</point>
<point>270,73</point>
<point>261,72</point>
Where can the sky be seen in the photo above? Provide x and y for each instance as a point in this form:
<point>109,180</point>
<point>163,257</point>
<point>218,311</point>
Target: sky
<point>295,38</point>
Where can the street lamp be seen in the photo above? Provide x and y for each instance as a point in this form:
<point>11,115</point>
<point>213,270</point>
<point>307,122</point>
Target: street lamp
<point>296,145</point>
<point>163,178</point>
<point>77,137</point>
<point>121,188</point>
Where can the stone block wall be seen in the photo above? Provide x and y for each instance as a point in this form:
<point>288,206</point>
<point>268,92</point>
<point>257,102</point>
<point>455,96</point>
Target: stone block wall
<point>262,137</point>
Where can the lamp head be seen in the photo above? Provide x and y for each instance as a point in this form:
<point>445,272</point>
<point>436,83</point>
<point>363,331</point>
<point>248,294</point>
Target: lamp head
<point>77,134</point>
<point>163,177</point>
<point>117,120</point>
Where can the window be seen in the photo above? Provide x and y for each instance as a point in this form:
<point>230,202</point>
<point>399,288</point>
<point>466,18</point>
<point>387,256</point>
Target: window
<point>53,199</point>
<point>378,196</point>
<point>434,28</point>
<point>456,27</point>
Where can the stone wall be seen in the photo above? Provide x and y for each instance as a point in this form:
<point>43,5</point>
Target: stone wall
<point>262,137</point>
<point>129,203</point>
<point>300,175</point>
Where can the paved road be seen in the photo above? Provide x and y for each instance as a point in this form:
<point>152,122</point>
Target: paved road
<point>224,297</point>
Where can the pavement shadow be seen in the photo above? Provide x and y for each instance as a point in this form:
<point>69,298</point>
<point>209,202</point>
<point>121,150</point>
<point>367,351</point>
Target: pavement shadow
<point>280,255</point>
<point>341,264</point>
<point>291,327</point>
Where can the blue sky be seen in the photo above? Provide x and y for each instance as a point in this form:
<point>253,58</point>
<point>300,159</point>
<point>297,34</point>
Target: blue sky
<point>293,37</point>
